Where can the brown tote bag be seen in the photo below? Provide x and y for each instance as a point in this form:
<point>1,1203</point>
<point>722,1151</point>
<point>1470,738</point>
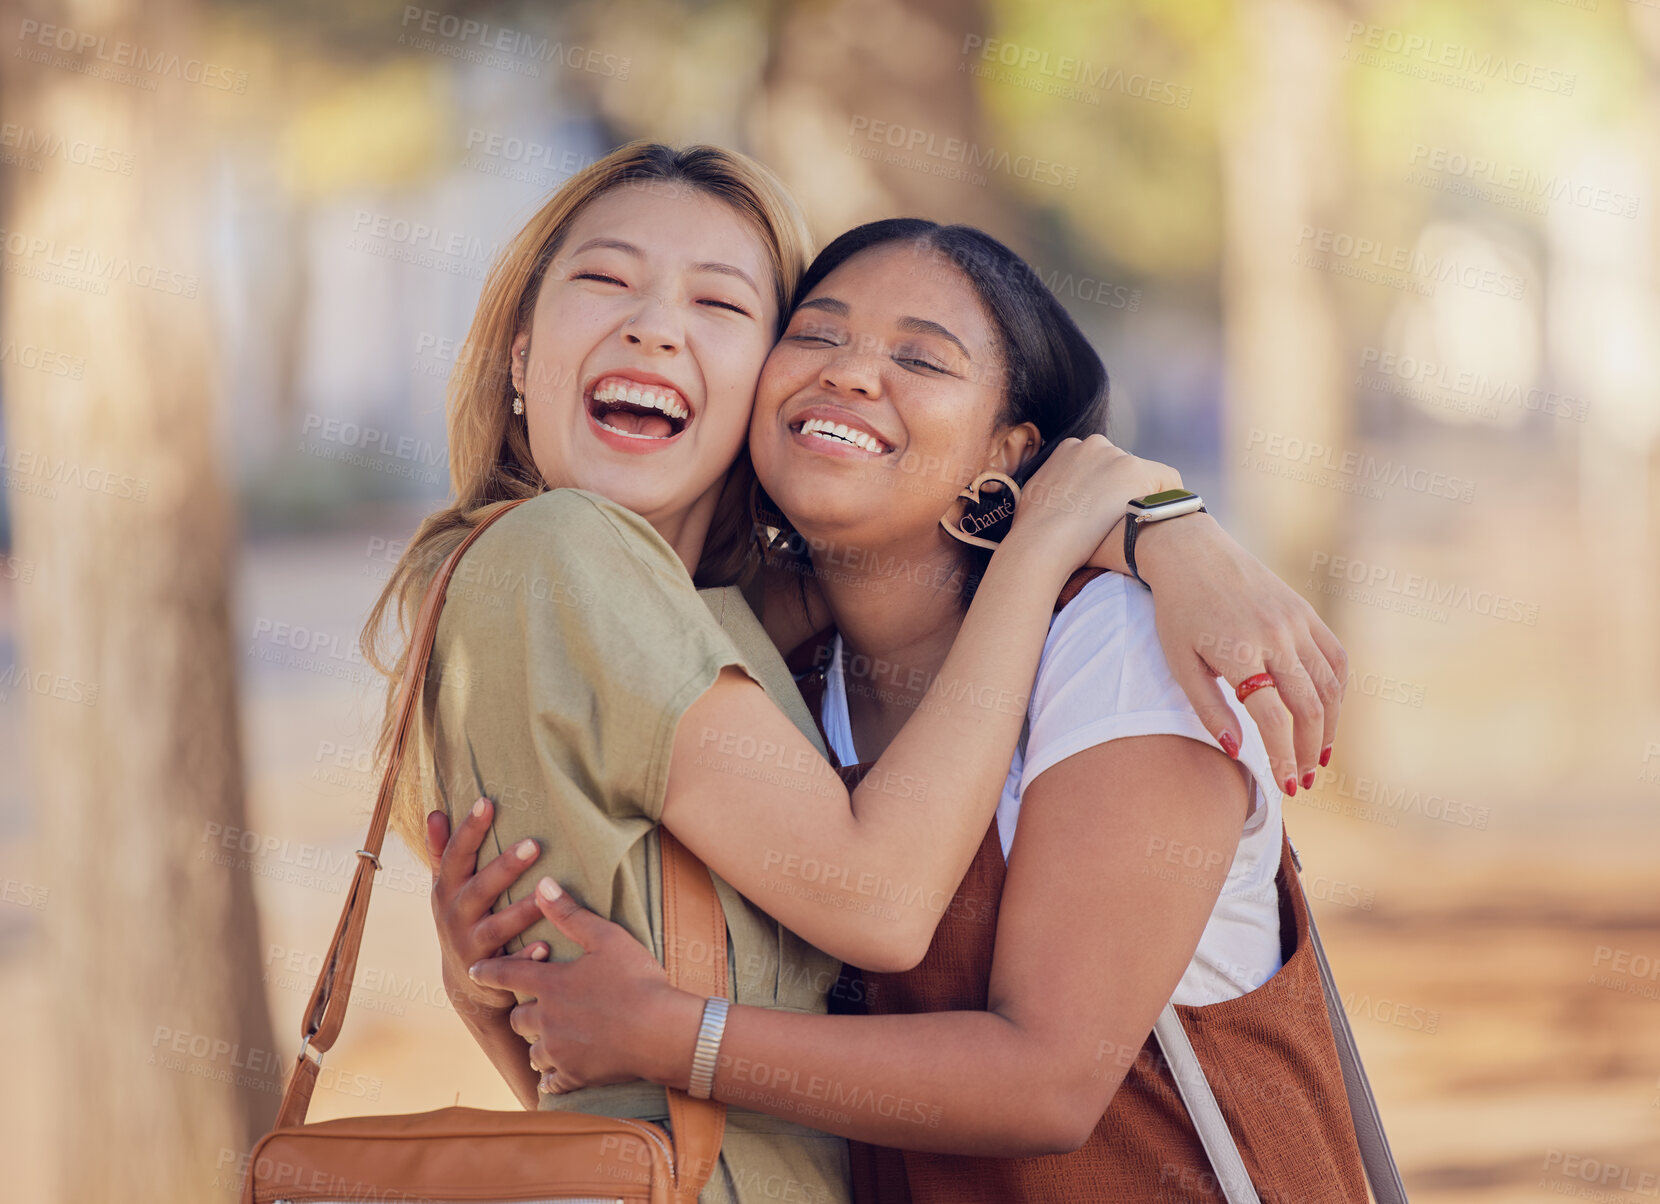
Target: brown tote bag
<point>472,1154</point>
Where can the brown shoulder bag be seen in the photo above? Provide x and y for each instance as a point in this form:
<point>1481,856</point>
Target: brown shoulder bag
<point>473,1154</point>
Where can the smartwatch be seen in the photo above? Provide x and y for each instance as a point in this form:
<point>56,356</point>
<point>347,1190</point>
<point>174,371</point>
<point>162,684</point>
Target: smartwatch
<point>1156,507</point>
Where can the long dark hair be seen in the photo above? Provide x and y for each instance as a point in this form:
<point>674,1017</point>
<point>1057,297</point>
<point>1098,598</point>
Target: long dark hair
<point>1053,377</point>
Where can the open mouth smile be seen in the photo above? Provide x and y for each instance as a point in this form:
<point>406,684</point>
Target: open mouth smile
<point>629,409</point>
<point>826,435</point>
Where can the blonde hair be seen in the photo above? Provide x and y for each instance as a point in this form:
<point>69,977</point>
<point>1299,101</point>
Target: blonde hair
<point>489,447</point>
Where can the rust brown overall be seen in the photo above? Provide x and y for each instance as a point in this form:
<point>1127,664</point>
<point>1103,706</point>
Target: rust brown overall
<point>1269,1055</point>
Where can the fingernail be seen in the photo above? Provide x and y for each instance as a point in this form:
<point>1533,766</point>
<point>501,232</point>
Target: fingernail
<point>472,970</point>
<point>1308,779</point>
<point>1325,755</point>
<point>1230,745</point>
<point>526,850</point>
<point>1290,787</point>
<point>478,808</point>
<point>548,889</point>
<point>538,954</point>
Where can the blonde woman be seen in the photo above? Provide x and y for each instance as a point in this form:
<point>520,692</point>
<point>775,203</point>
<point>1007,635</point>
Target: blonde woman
<point>582,681</point>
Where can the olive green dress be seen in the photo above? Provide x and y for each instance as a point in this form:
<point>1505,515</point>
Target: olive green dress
<point>571,642</point>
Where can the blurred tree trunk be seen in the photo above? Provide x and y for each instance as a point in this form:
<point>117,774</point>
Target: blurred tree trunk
<point>896,61</point>
<point>1281,162</point>
<point>120,508</point>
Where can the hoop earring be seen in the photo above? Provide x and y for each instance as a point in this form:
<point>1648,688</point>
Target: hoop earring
<point>518,402</point>
<point>983,519</point>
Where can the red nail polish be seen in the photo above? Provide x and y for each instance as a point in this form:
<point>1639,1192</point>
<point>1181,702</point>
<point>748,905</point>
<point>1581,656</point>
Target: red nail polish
<point>1325,756</point>
<point>1229,745</point>
<point>1308,779</point>
<point>1290,787</point>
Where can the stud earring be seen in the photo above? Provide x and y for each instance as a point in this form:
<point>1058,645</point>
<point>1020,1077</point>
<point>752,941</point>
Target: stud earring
<point>768,523</point>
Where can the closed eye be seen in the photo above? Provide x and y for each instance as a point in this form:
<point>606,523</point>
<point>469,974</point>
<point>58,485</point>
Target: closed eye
<point>718,304</point>
<point>932,367</point>
<point>601,276</point>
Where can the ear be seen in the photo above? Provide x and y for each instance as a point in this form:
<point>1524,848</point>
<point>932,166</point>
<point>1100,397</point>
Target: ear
<point>516,357</point>
<point>1014,445</point>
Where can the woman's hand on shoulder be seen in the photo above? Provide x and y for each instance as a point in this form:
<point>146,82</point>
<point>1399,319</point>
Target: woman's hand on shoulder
<point>1222,613</point>
<point>610,1016</point>
<point>461,907</point>
<point>1071,503</point>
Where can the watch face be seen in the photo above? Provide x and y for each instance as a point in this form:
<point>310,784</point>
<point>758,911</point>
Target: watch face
<point>1158,499</point>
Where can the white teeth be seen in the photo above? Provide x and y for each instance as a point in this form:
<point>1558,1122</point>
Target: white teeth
<point>847,434</point>
<point>665,400</point>
<point>631,434</point>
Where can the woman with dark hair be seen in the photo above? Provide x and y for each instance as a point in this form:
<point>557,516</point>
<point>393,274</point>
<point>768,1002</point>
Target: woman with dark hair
<point>1131,862</point>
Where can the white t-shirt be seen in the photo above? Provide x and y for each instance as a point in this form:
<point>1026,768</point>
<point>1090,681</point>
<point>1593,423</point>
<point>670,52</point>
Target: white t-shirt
<point>1103,676</point>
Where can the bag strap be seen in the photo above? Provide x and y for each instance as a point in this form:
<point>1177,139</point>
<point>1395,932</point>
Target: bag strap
<point>1375,1155</point>
<point>1202,1108</point>
<point>1379,1160</point>
<point>694,926</point>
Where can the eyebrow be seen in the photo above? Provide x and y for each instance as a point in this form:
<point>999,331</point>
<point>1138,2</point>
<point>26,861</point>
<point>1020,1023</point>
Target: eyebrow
<point>628,248</point>
<point>924,326</point>
<point>831,305</point>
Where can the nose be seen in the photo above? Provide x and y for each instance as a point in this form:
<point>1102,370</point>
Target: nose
<point>854,371</point>
<point>655,327</point>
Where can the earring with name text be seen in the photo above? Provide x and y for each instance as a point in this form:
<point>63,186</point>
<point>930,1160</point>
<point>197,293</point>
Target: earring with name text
<point>983,516</point>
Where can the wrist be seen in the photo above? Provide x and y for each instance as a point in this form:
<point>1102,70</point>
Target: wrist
<point>478,1014</point>
<point>1163,546</point>
<point>672,1020</point>
<point>1151,476</point>
<point>1030,562</point>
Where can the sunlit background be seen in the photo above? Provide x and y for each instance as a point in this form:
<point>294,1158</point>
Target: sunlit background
<point>1379,278</point>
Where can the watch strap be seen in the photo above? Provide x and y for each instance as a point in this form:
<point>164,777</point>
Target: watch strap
<point>1132,527</point>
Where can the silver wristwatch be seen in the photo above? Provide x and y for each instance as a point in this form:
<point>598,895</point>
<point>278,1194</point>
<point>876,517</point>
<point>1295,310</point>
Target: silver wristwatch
<point>707,1050</point>
<point>1156,507</point>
